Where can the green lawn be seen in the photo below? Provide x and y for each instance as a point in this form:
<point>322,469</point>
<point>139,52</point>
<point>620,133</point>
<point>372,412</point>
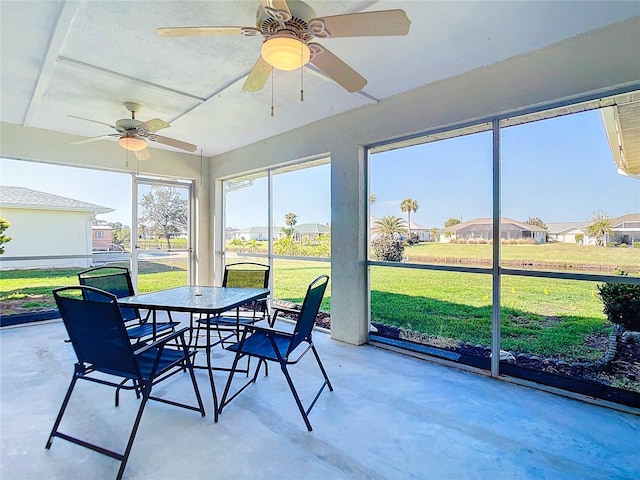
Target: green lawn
<point>542,316</point>
<point>546,252</point>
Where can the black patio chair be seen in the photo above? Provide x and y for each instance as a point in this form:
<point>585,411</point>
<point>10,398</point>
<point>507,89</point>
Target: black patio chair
<point>268,344</point>
<point>117,281</point>
<point>94,323</point>
<point>228,324</point>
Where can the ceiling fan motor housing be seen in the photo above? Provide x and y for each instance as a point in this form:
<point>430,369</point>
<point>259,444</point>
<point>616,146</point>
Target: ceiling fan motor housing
<point>297,22</point>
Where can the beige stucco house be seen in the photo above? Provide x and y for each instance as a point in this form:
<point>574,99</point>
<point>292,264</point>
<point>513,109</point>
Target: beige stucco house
<point>46,230</point>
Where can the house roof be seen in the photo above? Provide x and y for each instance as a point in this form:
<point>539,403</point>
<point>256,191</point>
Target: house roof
<point>563,227</point>
<point>488,222</point>
<point>25,198</point>
<point>311,228</point>
<point>624,220</point>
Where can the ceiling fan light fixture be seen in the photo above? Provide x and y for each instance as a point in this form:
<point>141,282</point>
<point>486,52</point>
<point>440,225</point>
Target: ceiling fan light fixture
<point>285,51</point>
<point>133,144</point>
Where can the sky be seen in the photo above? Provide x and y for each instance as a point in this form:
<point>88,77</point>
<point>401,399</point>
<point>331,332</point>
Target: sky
<point>559,170</point>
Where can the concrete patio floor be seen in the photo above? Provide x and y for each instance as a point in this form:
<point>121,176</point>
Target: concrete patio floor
<point>390,417</point>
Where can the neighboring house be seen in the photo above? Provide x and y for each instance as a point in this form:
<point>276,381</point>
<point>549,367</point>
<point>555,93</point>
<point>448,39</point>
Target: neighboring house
<point>46,225</point>
<point>626,229</point>
<point>423,232</point>
<point>566,232</point>
<point>482,228</point>
<point>260,234</point>
<point>101,238</point>
<point>310,231</point>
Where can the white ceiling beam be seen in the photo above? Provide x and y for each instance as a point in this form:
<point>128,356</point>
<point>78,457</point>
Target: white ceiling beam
<point>56,40</point>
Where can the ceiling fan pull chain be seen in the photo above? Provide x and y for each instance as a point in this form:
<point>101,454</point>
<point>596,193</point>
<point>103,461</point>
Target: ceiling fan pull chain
<point>272,93</point>
<point>301,75</point>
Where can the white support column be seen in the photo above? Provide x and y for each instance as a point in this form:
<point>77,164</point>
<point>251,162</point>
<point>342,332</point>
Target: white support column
<point>349,322</point>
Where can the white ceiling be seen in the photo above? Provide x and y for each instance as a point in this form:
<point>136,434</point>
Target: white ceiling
<point>87,58</point>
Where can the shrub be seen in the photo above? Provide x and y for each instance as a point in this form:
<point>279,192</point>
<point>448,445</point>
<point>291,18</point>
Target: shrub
<point>413,238</point>
<point>621,304</point>
<point>612,244</point>
<point>388,248</point>
<point>636,244</point>
<point>579,238</point>
<point>482,241</point>
<point>623,245</point>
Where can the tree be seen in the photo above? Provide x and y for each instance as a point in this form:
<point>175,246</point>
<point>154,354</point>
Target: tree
<point>164,212</point>
<point>389,226</point>
<point>409,205</point>
<point>450,223</point>
<point>121,233</point>
<point>290,219</point>
<point>435,234</point>
<point>3,238</point>
<point>537,222</point>
<point>600,226</point>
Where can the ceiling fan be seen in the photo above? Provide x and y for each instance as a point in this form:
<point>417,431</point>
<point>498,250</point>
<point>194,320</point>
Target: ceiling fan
<point>133,134</point>
<point>288,26</point>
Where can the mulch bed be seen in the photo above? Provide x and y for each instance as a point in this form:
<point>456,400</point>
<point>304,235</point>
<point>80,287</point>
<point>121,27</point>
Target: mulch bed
<point>625,366</point>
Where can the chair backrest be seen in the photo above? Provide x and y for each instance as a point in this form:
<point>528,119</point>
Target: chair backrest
<point>115,280</point>
<point>247,275</point>
<point>96,329</point>
<point>309,311</point>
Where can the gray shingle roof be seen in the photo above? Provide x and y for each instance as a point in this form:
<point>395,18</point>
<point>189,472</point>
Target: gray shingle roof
<point>20,197</point>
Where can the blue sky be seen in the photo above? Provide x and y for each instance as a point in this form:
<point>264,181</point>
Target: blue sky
<point>559,170</point>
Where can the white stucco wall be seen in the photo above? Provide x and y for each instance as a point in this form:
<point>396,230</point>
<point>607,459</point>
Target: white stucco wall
<point>37,232</point>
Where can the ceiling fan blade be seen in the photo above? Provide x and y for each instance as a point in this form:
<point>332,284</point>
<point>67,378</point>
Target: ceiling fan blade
<point>94,121</point>
<point>199,31</point>
<point>173,143</point>
<point>366,24</point>
<point>276,5</point>
<point>339,71</point>
<point>258,76</point>
<point>154,125</point>
<point>92,139</point>
<point>143,154</point>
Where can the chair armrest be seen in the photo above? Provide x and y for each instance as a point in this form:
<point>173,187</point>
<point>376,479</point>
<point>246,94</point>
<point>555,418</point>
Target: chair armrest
<point>162,341</point>
<point>266,330</point>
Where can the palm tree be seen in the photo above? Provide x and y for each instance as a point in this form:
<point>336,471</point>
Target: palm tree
<point>409,205</point>
<point>389,225</point>
<point>600,226</point>
<point>290,219</point>
<point>599,229</point>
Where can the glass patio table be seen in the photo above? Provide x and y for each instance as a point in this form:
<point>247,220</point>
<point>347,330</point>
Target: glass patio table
<point>198,300</point>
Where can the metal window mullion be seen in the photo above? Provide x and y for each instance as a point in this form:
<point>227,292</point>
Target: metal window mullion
<point>270,229</point>
<point>496,280</point>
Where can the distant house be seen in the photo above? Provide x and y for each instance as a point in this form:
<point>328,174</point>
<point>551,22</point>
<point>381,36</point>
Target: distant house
<point>101,237</point>
<point>626,229</point>
<point>310,231</point>
<point>260,234</point>
<point>566,232</point>
<point>482,228</point>
<point>45,225</point>
<point>423,232</point>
